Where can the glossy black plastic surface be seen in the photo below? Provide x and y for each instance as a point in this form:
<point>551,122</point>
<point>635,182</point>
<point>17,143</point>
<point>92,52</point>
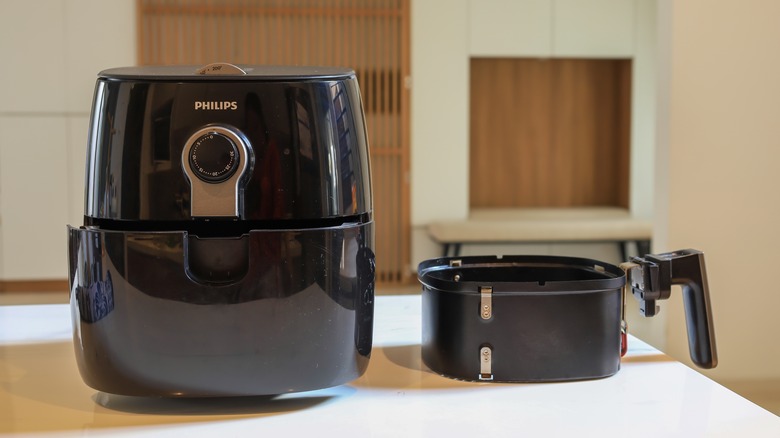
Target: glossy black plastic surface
<point>553,318</point>
<point>306,134</point>
<point>685,268</point>
<point>269,312</point>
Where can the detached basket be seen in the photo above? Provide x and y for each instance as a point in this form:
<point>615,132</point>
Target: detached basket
<point>548,318</point>
<point>521,318</point>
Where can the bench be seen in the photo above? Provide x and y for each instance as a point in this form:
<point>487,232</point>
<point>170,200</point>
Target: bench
<point>544,225</point>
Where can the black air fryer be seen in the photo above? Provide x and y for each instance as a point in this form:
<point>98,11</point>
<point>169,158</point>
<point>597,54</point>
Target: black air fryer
<point>228,235</point>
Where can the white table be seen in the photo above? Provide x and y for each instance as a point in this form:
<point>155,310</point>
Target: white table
<point>41,393</point>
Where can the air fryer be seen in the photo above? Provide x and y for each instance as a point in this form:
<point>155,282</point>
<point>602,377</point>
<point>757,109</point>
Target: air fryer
<point>227,244</point>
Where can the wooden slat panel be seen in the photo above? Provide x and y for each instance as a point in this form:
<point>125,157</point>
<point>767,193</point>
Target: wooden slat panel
<point>367,35</point>
<point>549,133</point>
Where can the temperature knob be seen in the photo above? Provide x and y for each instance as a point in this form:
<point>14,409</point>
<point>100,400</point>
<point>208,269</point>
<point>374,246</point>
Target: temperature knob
<point>215,160</point>
<point>213,157</point>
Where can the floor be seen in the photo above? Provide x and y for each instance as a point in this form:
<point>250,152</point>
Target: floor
<point>763,393</point>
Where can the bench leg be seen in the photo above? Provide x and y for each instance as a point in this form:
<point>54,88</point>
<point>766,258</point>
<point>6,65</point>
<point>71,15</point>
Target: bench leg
<point>446,249</point>
<point>456,249</point>
<point>643,247</point>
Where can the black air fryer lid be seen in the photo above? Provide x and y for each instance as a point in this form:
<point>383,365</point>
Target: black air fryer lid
<point>174,145</point>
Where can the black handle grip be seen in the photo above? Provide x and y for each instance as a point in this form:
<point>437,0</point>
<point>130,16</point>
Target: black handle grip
<point>652,280</point>
<point>688,271</point>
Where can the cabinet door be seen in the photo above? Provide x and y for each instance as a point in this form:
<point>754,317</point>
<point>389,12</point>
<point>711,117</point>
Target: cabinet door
<point>34,206</point>
<point>547,28</point>
<point>593,28</point>
<point>78,127</point>
<point>510,28</point>
<point>98,35</point>
<point>32,47</point>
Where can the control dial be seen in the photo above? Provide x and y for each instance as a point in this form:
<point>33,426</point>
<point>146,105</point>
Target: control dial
<point>213,157</point>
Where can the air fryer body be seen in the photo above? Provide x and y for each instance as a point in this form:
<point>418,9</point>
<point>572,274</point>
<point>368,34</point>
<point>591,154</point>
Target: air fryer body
<point>227,246</point>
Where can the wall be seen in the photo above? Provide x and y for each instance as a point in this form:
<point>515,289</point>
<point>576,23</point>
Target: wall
<point>717,180</point>
<point>52,51</point>
<point>440,117</point>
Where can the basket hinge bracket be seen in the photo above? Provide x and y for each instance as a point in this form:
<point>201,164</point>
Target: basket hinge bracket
<point>486,302</point>
<point>485,363</point>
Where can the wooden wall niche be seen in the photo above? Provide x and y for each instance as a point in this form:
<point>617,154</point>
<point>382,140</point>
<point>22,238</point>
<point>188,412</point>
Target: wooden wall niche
<point>550,132</point>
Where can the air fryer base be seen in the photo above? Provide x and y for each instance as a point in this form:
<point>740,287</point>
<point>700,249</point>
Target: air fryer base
<point>298,316</point>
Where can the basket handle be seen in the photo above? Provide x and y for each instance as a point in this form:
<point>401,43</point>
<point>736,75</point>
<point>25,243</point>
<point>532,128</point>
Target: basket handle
<point>651,280</point>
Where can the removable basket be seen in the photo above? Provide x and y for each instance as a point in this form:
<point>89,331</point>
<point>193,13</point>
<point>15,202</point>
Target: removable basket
<point>521,318</point>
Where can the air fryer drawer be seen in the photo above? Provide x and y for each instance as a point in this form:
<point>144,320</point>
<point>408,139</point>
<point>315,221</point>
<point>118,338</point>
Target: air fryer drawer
<point>298,317</point>
<point>547,318</point>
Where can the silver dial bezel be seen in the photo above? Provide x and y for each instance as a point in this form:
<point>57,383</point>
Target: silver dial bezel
<point>223,198</point>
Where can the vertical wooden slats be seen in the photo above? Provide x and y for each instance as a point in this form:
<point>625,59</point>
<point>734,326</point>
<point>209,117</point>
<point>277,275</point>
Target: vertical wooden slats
<point>404,121</point>
<point>370,36</point>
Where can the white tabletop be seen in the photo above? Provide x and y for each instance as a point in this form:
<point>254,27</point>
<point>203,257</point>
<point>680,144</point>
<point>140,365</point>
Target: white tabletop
<point>41,393</point>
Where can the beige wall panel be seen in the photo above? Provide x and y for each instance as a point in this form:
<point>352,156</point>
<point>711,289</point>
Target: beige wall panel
<point>99,34</point>
<point>593,28</point>
<point>718,177</point>
<point>510,28</point>
<point>34,201</point>
<point>32,45</point>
